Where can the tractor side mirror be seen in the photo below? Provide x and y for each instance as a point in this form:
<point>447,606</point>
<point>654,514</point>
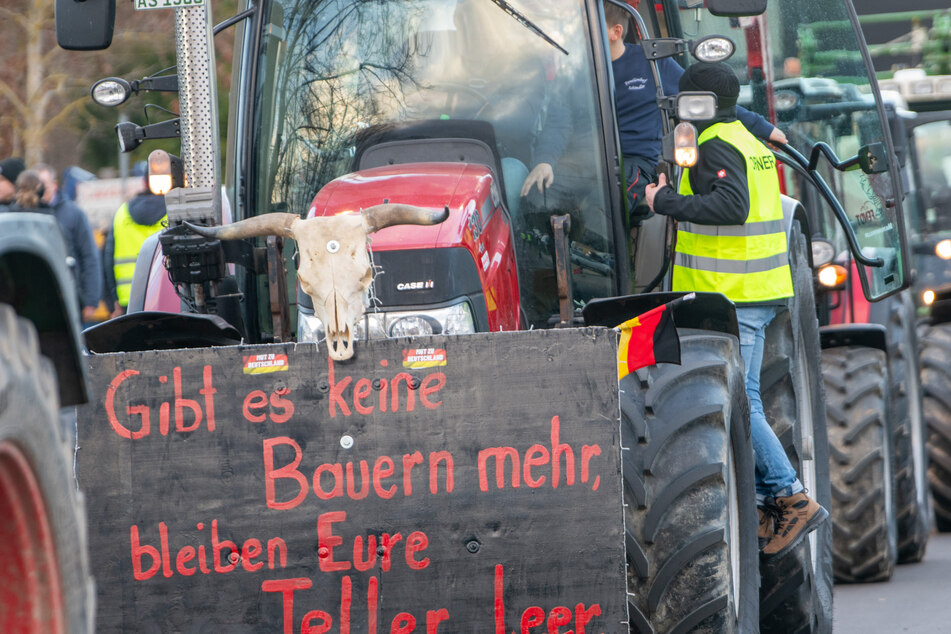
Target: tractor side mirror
<point>872,158</point>
<point>85,25</point>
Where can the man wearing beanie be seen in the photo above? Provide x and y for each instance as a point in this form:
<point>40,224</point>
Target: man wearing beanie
<point>9,172</point>
<point>732,197</point>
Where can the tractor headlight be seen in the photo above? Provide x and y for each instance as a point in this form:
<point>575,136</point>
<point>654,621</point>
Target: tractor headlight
<point>833,276</point>
<point>927,298</point>
<point>713,48</point>
<point>456,319</point>
<point>696,106</point>
<point>943,249</point>
<point>111,91</point>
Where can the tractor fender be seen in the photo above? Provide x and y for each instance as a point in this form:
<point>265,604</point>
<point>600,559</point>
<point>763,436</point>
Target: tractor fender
<point>862,335</point>
<point>36,282</point>
<point>793,211</point>
<point>708,311</point>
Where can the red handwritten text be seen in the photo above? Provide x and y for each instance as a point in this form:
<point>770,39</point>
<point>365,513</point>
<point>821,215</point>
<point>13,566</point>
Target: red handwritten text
<point>334,480</point>
<point>178,405</point>
<point>224,553</point>
<point>320,621</point>
<point>389,399</point>
<point>538,456</point>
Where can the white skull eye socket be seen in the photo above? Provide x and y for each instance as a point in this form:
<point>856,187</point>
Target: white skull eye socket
<point>333,246</point>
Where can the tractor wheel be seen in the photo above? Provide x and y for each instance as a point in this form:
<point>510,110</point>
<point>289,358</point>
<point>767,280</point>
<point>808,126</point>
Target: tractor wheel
<point>912,492</point>
<point>864,526</point>
<point>936,388</point>
<point>796,590</point>
<point>690,505</point>
<point>44,576</point>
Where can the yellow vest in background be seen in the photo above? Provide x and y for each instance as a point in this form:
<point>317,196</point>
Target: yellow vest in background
<point>748,262</point>
<point>128,237</point>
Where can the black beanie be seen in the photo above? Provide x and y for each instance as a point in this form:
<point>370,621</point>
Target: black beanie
<point>10,169</point>
<point>714,77</point>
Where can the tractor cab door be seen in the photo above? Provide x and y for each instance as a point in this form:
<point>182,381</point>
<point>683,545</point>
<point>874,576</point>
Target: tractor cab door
<point>805,66</point>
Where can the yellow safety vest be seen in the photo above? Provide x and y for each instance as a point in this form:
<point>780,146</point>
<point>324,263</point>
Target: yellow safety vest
<point>128,237</point>
<point>748,262</point>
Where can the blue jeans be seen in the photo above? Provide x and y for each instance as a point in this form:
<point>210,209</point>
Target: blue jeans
<point>775,476</point>
<point>514,174</point>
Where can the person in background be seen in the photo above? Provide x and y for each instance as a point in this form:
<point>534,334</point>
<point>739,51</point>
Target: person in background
<point>134,221</point>
<point>639,117</point>
<point>731,240</point>
<point>10,169</point>
<point>80,243</point>
<point>28,196</point>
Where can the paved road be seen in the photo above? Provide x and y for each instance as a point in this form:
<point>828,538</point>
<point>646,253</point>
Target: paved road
<point>917,599</point>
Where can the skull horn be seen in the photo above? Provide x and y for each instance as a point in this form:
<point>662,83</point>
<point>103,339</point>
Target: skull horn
<point>276,224</point>
<point>382,216</point>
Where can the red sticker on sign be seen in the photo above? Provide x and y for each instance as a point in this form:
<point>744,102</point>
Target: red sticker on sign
<point>721,174</point>
<point>424,357</point>
<point>264,363</point>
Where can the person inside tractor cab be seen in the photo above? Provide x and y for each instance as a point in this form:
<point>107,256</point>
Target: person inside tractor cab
<point>730,239</point>
<point>505,74</point>
<point>638,116</point>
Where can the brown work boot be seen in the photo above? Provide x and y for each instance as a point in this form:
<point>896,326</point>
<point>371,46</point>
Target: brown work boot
<point>798,514</point>
<point>767,522</point>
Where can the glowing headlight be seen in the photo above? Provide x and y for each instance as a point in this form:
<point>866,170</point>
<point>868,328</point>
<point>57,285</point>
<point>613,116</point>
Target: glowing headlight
<point>451,320</point>
<point>833,275</point>
<point>927,298</point>
<point>685,145</point>
<point>943,249</point>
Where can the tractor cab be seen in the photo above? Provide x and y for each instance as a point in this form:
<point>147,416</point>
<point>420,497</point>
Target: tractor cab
<point>503,112</point>
<point>385,101</point>
<point>386,97</point>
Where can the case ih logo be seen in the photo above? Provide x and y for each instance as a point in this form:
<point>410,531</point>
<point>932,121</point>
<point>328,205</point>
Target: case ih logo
<point>424,357</point>
<point>414,286</point>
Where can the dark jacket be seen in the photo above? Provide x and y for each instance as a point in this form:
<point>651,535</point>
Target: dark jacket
<point>720,178</point>
<point>81,246</point>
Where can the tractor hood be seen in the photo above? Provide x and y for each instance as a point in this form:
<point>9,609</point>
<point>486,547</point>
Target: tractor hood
<point>459,186</point>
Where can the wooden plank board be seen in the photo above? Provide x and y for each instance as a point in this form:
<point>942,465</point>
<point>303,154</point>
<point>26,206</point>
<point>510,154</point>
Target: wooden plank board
<point>464,484</point>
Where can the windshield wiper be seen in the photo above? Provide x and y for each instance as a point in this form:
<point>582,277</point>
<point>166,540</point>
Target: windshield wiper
<point>528,24</point>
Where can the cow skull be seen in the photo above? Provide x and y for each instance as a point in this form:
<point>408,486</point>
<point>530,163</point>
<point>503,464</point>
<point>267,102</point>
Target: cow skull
<point>335,269</point>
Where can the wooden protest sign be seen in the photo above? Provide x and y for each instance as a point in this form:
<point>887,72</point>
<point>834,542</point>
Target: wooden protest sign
<point>431,485</point>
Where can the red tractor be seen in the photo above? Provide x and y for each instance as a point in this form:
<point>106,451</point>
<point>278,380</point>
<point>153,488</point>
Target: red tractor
<point>502,113</point>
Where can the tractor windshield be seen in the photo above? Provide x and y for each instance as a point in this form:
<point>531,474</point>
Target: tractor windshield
<point>808,73</point>
<point>337,71</point>
<point>931,160</point>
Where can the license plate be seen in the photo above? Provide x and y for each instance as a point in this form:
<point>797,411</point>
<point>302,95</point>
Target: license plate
<point>141,5</point>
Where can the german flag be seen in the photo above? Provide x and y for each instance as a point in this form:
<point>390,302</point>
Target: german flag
<point>649,338</point>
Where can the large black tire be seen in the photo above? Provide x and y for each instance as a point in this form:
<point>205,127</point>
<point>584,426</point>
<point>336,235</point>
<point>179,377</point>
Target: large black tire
<point>42,522</point>
<point>865,533</point>
<point>936,388</point>
<point>796,591</point>
<point>912,492</point>
<point>690,506</point>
